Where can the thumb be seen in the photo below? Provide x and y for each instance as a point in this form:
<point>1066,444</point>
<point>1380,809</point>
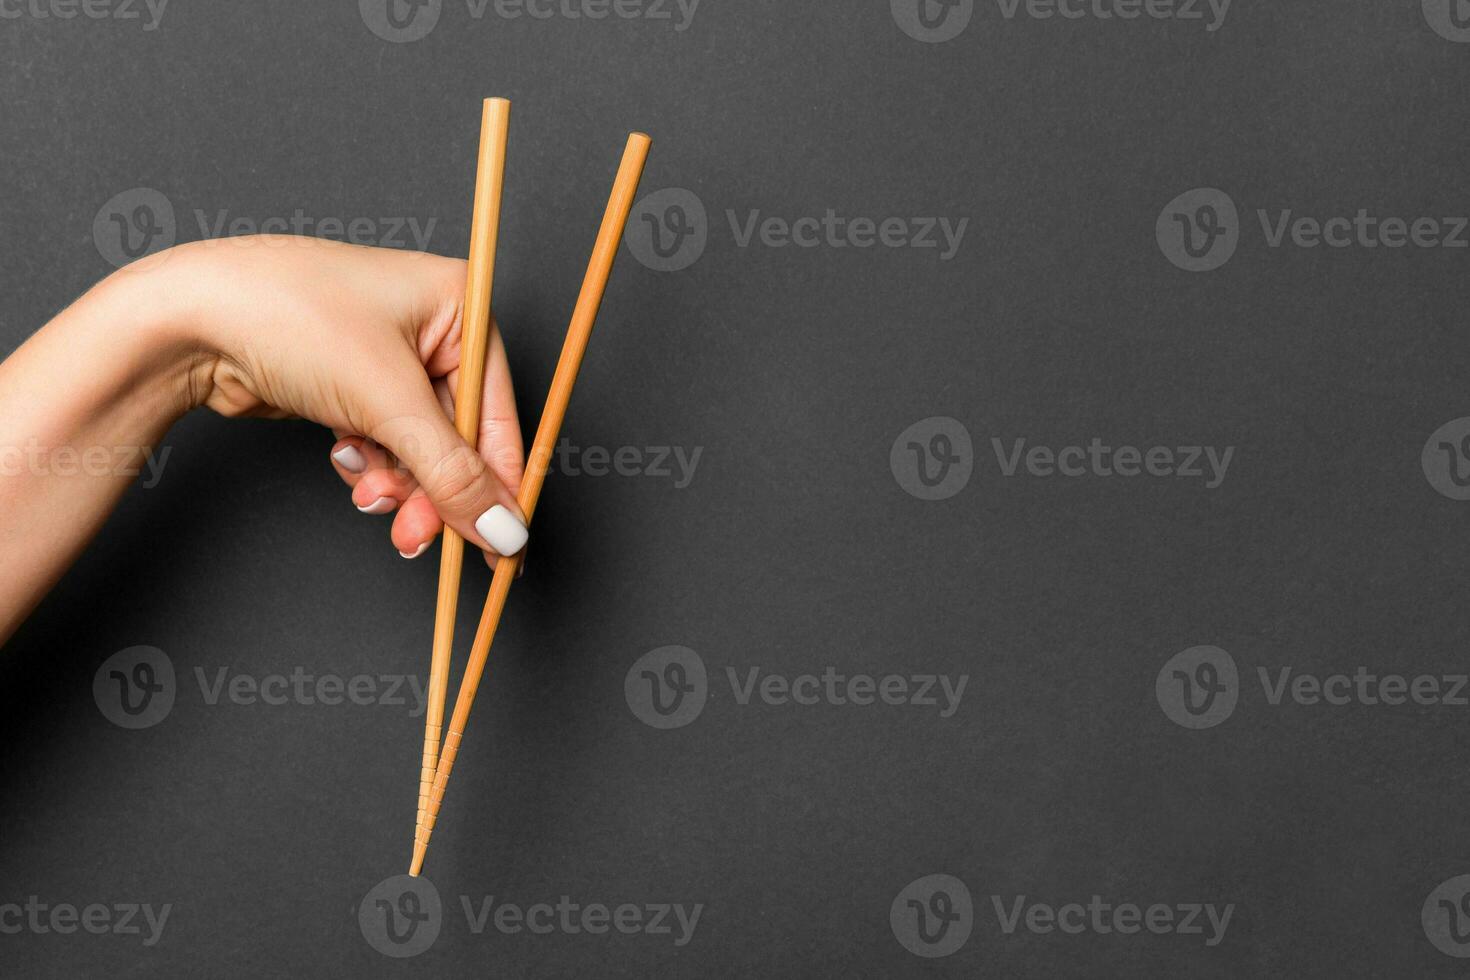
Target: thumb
<point>462,487</point>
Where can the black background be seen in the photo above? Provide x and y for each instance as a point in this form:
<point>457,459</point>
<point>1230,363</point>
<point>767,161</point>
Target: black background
<point>794,548</point>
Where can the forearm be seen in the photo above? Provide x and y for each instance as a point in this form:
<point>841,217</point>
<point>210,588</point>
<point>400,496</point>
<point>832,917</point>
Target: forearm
<point>83,404</point>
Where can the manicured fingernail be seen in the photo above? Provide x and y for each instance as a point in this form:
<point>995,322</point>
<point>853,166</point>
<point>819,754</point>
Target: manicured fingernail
<point>501,531</point>
<point>380,506</point>
<point>422,548</point>
<point>350,459</point>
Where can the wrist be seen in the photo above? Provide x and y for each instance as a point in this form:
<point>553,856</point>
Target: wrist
<point>145,320</point>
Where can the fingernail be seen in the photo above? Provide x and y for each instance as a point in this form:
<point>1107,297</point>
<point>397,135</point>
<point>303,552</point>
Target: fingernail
<point>501,531</point>
<point>350,459</point>
<point>422,548</point>
<point>380,506</point>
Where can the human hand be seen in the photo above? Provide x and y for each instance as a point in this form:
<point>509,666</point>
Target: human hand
<point>365,341</point>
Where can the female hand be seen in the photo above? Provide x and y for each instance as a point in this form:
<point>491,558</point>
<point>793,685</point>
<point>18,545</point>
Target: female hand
<point>363,340</point>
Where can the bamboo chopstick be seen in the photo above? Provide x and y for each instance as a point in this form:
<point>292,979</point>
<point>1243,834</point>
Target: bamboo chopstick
<point>474,342</point>
<point>619,204</point>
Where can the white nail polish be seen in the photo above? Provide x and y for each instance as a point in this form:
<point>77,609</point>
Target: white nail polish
<point>380,506</point>
<point>422,548</point>
<point>501,531</point>
<point>350,459</point>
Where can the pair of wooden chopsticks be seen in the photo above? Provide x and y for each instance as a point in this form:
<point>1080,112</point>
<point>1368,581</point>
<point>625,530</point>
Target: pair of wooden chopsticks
<point>438,761</point>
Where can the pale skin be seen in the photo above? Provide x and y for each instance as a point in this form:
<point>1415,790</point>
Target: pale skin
<point>362,340</point>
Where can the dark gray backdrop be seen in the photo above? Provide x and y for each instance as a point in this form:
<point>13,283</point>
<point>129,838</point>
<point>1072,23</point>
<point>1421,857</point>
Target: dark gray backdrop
<point>1334,831</point>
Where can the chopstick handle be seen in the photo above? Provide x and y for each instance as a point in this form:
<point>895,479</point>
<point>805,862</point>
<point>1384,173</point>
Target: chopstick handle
<point>584,317</point>
<point>475,342</point>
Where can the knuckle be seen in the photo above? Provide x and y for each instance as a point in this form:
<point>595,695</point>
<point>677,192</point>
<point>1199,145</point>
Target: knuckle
<point>457,478</point>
